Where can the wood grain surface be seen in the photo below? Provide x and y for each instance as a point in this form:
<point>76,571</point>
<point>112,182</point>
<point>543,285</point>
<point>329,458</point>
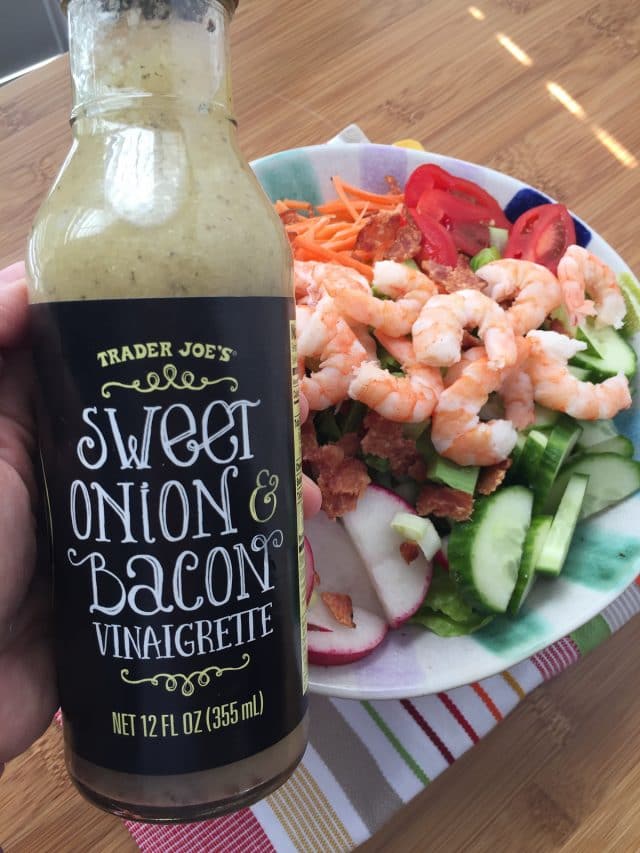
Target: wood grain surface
<point>546,91</point>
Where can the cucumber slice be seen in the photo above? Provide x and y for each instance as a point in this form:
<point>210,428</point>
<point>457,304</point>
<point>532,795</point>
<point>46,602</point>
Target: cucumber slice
<point>543,418</point>
<point>612,478</point>
<point>619,444</point>
<point>586,332</point>
<point>612,354</point>
<point>561,442</point>
<point>593,432</point>
<point>484,553</point>
<point>462,478</point>
<point>631,292</point>
<point>530,457</point>
<point>531,549</point>
<point>580,373</point>
<point>556,545</point>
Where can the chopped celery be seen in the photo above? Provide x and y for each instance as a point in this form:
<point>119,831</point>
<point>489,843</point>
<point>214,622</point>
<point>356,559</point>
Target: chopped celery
<point>498,237</point>
<point>485,256</point>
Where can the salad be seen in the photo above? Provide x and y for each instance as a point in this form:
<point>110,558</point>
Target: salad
<point>462,373</point>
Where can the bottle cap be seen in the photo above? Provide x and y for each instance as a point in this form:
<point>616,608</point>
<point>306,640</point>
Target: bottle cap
<point>232,5</point>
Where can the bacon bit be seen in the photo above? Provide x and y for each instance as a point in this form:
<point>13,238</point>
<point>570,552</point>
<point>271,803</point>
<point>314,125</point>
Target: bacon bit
<point>392,183</point>
<point>409,551</point>
<point>444,502</point>
<point>349,444</point>
<point>309,441</point>
<point>340,478</point>
<point>386,439</point>
<point>341,607</point>
<point>387,235</point>
<point>418,471</point>
<point>450,279</point>
<point>492,476</point>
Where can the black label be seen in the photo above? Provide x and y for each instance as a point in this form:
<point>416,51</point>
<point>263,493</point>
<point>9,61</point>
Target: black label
<point>173,477</point>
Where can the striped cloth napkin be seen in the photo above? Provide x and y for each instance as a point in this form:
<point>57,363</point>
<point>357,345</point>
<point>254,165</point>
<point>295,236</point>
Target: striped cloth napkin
<point>367,759</point>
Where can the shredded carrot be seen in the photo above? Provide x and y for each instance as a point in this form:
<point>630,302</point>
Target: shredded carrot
<point>294,204</point>
<point>329,232</point>
<point>381,200</point>
<point>337,183</point>
<point>317,251</point>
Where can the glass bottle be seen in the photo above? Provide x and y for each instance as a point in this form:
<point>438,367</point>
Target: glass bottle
<point>165,352</point>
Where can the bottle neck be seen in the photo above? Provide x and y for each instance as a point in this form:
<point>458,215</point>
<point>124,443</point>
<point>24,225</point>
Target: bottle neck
<point>130,53</point>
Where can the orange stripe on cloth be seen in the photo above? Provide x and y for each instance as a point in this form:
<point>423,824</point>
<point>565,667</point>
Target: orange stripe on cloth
<point>514,684</point>
<point>488,701</point>
<point>307,815</point>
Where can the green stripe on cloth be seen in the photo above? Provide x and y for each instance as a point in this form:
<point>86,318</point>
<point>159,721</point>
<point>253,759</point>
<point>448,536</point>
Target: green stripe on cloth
<point>393,740</point>
<point>376,801</point>
<point>589,636</point>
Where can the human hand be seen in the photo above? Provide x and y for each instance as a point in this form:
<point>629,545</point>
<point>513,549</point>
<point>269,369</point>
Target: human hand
<point>27,683</point>
<point>311,497</point>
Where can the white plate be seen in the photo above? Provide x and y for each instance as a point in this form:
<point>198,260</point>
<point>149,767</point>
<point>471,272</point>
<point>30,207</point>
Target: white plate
<point>605,555</point>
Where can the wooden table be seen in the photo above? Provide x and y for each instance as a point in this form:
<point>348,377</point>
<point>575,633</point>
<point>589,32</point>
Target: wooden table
<point>547,91</point>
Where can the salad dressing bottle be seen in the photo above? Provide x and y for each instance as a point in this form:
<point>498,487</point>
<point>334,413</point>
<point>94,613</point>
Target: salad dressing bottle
<point>162,315</point>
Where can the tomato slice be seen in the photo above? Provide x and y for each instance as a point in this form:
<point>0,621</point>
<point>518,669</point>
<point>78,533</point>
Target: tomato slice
<point>432,177</point>
<point>437,243</point>
<point>542,235</point>
<point>465,221</point>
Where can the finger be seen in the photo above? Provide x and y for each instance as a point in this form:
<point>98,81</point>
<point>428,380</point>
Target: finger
<point>13,306</point>
<point>13,273</point>
<point>17,551</point>
<point>304,408</point>
<point>27,696</point>
<point>311,497</point>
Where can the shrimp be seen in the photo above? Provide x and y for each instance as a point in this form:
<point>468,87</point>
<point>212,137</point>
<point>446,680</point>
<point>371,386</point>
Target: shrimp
<point>396,280</point>
<point>536,289</point>
<point>318,326</point>
<point>580,272</point>
<point>555,387</point>
<point>303,317</point>
<point>310,279</point>
<point>437,333</point>
<point>516,391</point>
<point>366,339</point>
<point>340,357</point>
<point>404,399</point>
<point>393,317</point>
<point>457,432</point>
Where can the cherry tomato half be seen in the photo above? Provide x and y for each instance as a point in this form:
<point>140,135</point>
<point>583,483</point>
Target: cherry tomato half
<point>542,235</point>
<point>430,177</point>
<point>464,220</point>
<point>437,243</point>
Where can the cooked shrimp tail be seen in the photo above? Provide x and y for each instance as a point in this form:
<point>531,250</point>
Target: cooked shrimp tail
<point>536,290</point>
<point>556,388</point>
<point>457,432</point>
<point>437,333</point>
<point>580,272</point>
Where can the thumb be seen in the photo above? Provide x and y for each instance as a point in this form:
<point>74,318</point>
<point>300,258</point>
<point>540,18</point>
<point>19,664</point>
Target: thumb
<point>13,304</point>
